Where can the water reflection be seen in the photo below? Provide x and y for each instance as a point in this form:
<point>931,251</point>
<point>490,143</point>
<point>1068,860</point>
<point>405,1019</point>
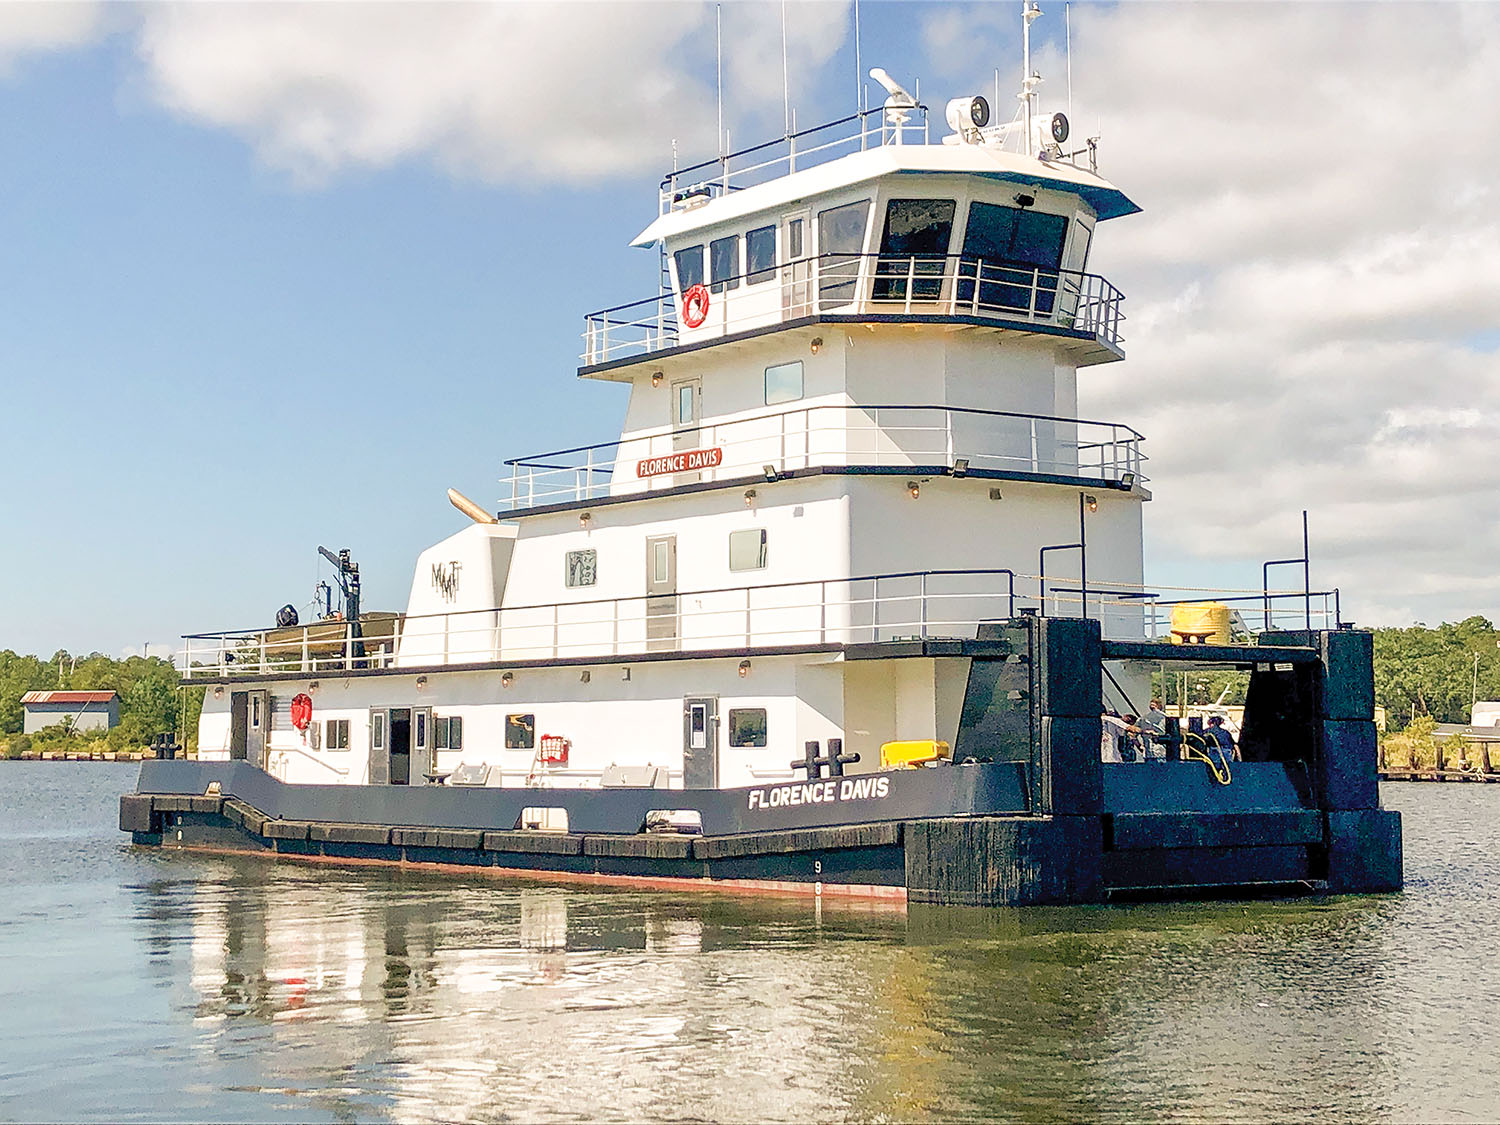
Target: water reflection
<point>180,987</point>
<point>465,997</point>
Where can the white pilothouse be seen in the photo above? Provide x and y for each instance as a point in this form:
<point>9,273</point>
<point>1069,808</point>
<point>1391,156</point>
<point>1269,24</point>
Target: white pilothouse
<point>852,440</point>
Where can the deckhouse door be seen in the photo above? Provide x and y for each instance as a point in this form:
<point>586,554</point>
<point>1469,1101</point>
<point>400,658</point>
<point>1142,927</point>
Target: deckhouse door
<point>257,727</point>
<point>380,757</point>
<point>796,266</point>
<point>661,593</point>
<point>422,765</point>
<point>687,412</point>
<point>700,743</point>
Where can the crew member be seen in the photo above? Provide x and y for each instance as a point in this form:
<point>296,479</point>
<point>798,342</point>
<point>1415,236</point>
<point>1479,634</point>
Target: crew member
<point>1222,737</point>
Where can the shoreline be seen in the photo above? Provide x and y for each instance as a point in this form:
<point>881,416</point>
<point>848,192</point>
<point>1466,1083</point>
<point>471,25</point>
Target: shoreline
<point>80,756</point>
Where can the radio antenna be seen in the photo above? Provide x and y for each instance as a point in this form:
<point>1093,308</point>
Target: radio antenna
<point>786,84</point>
<point>719,64</point>
<point>1068,49</point>
<point>859,74</point>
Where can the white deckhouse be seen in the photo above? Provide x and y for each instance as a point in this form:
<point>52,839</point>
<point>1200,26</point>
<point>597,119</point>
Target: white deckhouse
<point>852,441</point>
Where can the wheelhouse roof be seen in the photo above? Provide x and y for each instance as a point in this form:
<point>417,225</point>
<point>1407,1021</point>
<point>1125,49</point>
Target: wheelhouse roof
<point>986,161</point>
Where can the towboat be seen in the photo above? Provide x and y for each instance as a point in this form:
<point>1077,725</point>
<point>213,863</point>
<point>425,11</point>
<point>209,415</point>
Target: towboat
<point>840,611</point>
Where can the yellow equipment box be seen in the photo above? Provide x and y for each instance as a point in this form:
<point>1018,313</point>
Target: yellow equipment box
<point>897,754</point>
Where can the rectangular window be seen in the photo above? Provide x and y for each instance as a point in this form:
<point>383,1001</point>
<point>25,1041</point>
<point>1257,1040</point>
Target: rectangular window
<point>794,240</point>
<point>724,263</point>
<point>686,412</point>
<point>783,382</point>
<point>1014,252</point>
<point>689,267</point>
<point>747,549</point>
<point>760,255</point>
<point>582,568</point>
<point>448,730</point>
<point>520,732</point>
<point>336,734</point>
<point>914,244</point>
<point>377,730</point>
<point>841,239</point>
<point>747,726</point>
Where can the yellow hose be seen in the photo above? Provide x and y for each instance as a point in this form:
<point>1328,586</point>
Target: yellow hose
<point>1219,770</point>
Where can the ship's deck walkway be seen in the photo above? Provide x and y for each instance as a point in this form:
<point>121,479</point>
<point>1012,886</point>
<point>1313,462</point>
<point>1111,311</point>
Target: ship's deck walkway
<point>918,439</point>
<point>911,613</point>
<point>868,288</point>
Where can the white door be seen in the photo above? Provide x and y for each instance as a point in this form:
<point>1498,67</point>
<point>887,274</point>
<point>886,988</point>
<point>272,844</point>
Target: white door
<point>796,265</point>
<point>661,593</point>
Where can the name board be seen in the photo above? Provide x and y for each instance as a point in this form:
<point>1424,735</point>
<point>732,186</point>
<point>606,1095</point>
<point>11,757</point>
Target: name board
<point>820,792</point>
<point>689,460</point>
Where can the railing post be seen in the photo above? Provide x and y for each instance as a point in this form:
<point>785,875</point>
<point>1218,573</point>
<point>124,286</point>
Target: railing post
<point>911,280</point>
<point>1036,464</point>
<point>922,592</point>
<point>747,616</point>
<point>447,617</point>
<point>555,638</point>
<point>305,654</point>
<point>1036,282</point>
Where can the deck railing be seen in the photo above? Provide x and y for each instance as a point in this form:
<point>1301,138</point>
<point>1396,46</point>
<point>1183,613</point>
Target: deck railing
<point>1005,294</point>
<point>867,129</point>
<point>948,438</point>
<point>884,607</point>
<point>914,605</point>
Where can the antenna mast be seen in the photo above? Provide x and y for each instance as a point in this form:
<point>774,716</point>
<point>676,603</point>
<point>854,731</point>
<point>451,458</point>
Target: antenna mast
<point>786,83</point>
<point>859,74</point>
<point>1029,12</point>
<point>719,70</point>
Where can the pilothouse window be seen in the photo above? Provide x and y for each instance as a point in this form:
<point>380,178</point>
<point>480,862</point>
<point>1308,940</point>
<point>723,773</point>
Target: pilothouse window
<point>914,244</point>
<point>689,267</point>
<point>724,264</point>
<point>760,255</point>
<point>1016,253</point>
<point>841,239</point>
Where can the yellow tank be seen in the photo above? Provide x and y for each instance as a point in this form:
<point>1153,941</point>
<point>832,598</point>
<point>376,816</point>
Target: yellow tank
<point>1200,623</point>
<point>899,754</point>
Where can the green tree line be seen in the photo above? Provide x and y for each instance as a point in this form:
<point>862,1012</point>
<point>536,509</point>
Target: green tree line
<point>151,702</point>
<point>1420,672</point>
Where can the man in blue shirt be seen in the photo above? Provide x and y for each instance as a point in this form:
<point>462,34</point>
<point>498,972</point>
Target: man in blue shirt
<point>1221,736</point>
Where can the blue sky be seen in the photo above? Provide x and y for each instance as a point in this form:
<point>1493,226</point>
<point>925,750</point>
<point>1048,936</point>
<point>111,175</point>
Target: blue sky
<point>244,313</point>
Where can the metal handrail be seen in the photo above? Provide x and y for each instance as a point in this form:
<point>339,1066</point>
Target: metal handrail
<point>942,285</point>
<point>917,435</point>
<point>727,177</point>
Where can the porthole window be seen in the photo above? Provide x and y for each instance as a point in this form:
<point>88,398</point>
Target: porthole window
<point>747,726</point>
<point>784,382</point>
<point>520,732</point>
<point>747,549</point>
<point>582,568</point>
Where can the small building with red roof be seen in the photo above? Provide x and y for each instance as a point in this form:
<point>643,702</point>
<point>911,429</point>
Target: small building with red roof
<point>88,710</point>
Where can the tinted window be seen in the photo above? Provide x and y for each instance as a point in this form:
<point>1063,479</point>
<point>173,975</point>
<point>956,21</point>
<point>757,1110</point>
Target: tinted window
<point>520,732</point>
<point>689,267</point>
<point>1006,247</point>
<point>841,238</point>
<point>747,549</point>
<point>914,229</point>
<point>1010,234</point>
<point>783,382</point>
<point>747,726</point>
<point>582,568</point>
<point>724,263</point>
<point>448,732</point>
<point>760,255</point>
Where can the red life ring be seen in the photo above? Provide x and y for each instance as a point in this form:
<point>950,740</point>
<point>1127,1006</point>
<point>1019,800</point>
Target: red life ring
<point>695,306</point>
<point>301,710</point>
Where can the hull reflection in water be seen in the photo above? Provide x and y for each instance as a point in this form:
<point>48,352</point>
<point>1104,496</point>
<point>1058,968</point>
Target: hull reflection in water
<point>429,997</point>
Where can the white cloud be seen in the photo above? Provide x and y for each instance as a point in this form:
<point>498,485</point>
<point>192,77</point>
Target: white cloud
<point>507,92</point>
<point>1314,288</point>
<point>33,26</point>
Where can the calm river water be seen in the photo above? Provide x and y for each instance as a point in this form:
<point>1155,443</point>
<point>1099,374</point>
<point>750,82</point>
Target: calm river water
<point>141,985</point>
